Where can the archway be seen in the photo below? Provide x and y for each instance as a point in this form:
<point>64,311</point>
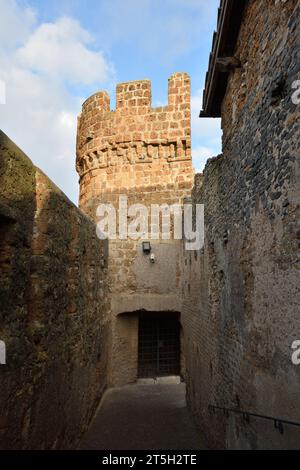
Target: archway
<point>146,345</point>
<point>158,344</point>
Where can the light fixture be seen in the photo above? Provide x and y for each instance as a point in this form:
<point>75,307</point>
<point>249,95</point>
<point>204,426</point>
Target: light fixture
<point>146,248</point>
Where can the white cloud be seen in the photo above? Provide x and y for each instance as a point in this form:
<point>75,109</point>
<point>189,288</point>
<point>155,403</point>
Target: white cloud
<point>40,114</point>
<point>15,23</point>
<point>208,129</point>
<point>200,156</point>
<point>41,119</point>
<point>60,50</point>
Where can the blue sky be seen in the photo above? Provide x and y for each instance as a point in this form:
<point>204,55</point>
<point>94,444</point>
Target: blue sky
<point>55,53</point>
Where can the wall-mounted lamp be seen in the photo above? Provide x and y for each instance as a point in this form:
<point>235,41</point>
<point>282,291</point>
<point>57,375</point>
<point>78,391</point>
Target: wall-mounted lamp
<point>146,248</point>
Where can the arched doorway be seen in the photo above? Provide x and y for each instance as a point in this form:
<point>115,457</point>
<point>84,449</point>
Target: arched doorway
<point>158,344</point>
<point>146,345</point>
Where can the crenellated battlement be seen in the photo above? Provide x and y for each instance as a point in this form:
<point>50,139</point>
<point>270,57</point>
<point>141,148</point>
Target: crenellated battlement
<point>133,94</point>
<point>99,100</point>
<point>119,142</point>
<point>137,93</point>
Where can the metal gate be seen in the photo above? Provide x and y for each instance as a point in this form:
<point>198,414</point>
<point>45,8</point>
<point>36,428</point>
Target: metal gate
<point>159,346</point>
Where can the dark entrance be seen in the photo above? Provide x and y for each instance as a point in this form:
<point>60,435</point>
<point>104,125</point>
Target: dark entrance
<point>159,345</point>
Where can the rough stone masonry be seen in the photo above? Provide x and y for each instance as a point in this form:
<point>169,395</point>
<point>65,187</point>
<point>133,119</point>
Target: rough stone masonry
<point>53,310</point>
<point>241,292</point>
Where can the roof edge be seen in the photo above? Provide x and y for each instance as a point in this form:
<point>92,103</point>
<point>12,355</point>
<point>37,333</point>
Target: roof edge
<point>222,60</point>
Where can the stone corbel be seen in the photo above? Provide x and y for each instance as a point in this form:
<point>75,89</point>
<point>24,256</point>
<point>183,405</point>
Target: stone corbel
<point>226,64</point>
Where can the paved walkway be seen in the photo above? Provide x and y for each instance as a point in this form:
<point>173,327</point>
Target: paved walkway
<point>146,417</point>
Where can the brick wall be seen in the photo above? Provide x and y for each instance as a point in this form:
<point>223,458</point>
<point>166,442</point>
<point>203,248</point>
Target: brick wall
<point>241,293</point>
<point>53,310</point>
<point>143,153</point>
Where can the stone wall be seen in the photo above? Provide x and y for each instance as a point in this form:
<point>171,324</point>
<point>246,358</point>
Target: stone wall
<point>241,292</point>
<point>144,154</point>
<point>53,310</point>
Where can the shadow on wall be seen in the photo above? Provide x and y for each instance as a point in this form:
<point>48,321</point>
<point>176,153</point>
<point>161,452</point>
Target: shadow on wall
<point>53,310</point>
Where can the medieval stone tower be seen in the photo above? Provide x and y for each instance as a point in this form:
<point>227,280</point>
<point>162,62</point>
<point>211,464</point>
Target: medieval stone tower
<point>142,153</point>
